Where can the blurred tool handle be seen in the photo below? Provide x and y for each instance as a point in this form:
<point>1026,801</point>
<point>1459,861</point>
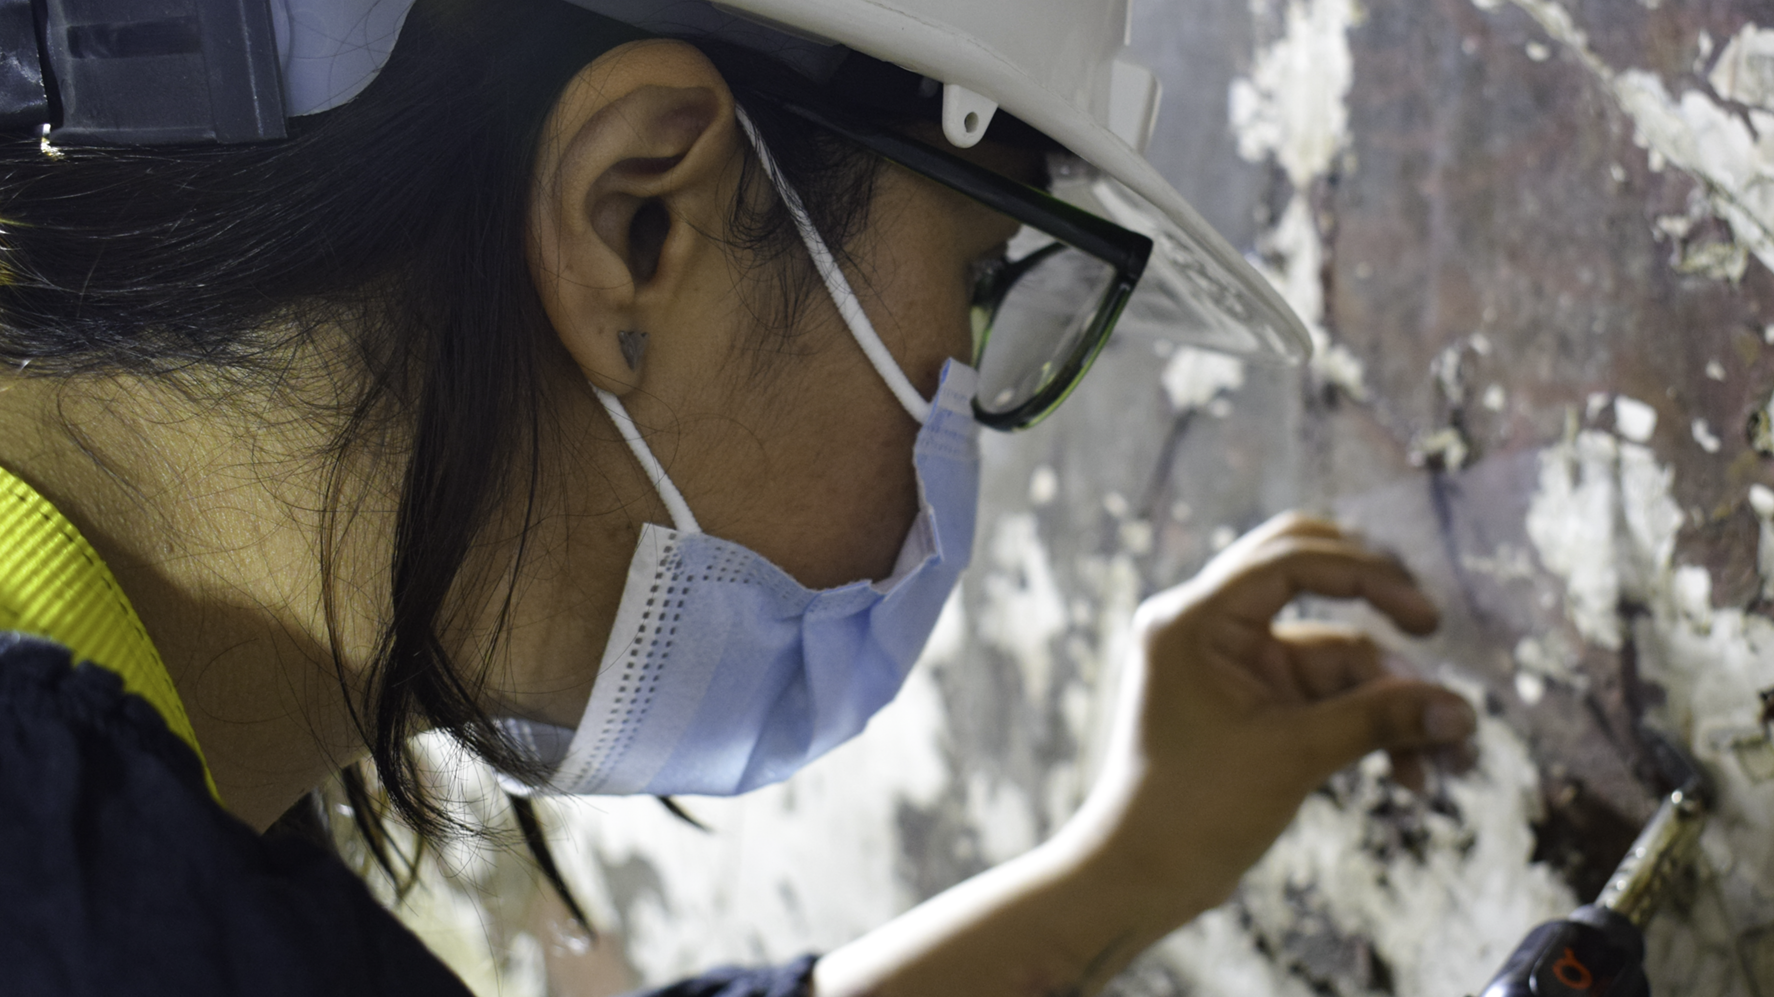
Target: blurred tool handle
<point>1597,953</point>
<point>1600,949</point>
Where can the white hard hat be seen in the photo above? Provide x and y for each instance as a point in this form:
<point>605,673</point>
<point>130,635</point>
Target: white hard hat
<point>1059,66</point>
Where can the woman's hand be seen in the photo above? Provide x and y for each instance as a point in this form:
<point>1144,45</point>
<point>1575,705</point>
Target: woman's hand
<point>1227,720</point>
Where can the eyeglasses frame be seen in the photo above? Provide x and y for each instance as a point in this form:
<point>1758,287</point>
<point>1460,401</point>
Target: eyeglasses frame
<point>1125,251</point>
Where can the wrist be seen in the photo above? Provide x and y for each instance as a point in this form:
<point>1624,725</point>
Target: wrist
<point>1160,865</point>
<point>1063,918</point>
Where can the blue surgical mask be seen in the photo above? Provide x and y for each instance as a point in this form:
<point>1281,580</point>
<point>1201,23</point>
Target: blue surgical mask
<point>722,672</point>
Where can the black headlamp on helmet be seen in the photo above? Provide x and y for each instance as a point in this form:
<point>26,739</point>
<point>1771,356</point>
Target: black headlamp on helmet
<point>129,72</point>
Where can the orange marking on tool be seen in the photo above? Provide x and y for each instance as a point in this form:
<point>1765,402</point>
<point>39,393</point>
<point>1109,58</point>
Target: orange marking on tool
<point>1571,972</point>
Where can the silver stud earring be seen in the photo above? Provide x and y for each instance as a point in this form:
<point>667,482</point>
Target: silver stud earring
<point>634,347</point>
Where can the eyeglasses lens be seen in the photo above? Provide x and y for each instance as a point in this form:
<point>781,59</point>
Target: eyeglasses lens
<point>1040,323</point>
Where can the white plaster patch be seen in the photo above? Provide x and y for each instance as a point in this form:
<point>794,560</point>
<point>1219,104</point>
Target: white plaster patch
<point>1651,517</point>
<point>1603,521</point>
<point>464,887</point>
<point>1445,922</point>
<point>1549,656</point>
<point>1634,419</point>
<point>454,927</point>
<point>1709,661</point>
<point>1193,378</point>
<point>1445,447</point>
<point>1495,398</point>
<point>1530,687</point>
<point>1078,707</point>
<point>949,638</point>
<point>1023,610</point>
<point>1043,486</point>
<point>1293,107</point>
<point>1002,815</point>
<point>1571,522</point>
<point>1690,591</point>
<point>1215,955</point>
<point>1292,104</point>
<point>1724,261</point>
<point>1761,502</point>
<point>1136,537</point>
<point>1715,370</point>
<point>1709,441</point>
<point>1296,241</point>
<point>525,970</point>
<point>1716,146</point>
<point>1115,582</point>
<point>1445,368</point>
<point>1337,365</point>
<point>1745,70</point>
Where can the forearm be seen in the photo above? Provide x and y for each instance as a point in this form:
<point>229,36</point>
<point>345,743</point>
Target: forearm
<point>1059,921</point>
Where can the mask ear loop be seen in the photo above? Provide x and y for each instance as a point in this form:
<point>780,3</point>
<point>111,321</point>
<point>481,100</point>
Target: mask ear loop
<point>681,517</point>
<point>835,283</point>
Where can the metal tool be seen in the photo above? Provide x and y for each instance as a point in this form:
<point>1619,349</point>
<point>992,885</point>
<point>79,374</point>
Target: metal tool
<point>1599,951</point>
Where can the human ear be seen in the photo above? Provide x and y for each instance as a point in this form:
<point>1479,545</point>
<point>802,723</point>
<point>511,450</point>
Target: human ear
<point>632,171</point>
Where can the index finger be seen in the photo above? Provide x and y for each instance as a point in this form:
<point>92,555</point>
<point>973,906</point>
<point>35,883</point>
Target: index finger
<point>1283,524</point>
<point>1276,573</point>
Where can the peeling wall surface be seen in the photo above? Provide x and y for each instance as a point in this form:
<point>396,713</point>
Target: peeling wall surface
<point>1533,241</point>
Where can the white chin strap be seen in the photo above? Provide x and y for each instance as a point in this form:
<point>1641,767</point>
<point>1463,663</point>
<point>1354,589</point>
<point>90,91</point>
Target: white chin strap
<point>848,306</point>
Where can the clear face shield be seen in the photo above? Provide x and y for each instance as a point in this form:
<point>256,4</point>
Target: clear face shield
<point>1053,306</point>
<point>1091,257</point>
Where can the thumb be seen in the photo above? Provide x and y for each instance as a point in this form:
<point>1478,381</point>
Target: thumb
<point>1388,714</point>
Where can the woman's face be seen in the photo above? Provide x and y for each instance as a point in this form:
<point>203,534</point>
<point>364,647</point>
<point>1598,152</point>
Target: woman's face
<point>811,465</point>
<point>791,445</point>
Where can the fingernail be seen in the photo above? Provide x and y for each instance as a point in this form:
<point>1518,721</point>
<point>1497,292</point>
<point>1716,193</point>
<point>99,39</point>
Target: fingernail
<point>1449,720</point>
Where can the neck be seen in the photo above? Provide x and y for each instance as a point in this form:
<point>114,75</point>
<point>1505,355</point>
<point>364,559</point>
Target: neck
<point>213,516</point>
<point>219,558</point>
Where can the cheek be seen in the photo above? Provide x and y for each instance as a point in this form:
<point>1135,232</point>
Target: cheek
<point>811,464</point>
<point>838,503</point>
<point>916,288</point>
<point>927,318</point>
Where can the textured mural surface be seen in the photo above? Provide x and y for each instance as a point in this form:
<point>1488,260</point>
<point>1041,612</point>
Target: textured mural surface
<point>1534,241</point>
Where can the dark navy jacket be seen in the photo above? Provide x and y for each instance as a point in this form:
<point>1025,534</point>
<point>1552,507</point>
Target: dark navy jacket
<point>121,876</point>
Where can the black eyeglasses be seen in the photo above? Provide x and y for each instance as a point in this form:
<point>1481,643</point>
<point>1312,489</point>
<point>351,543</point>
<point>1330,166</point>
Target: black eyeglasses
<point>1040,320</point>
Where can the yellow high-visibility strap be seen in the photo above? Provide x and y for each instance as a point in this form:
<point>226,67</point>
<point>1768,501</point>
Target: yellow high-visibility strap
<point>53,584</point>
